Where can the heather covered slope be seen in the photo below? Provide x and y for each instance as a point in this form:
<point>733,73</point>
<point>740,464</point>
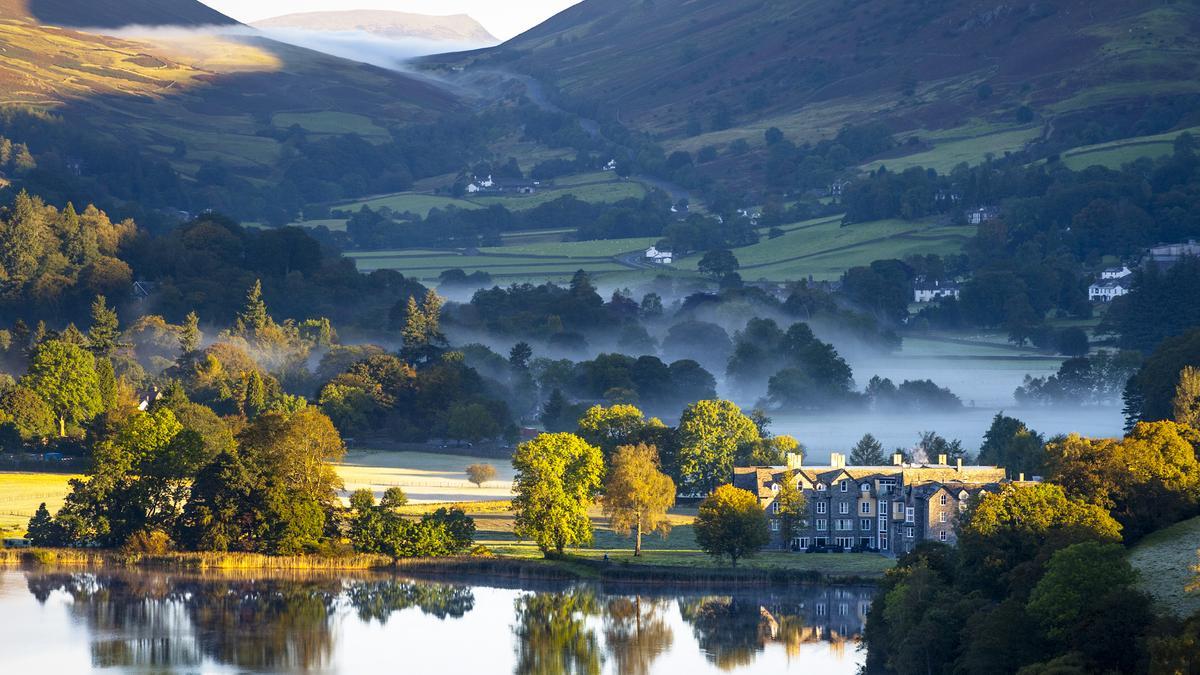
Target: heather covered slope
<point>114,13</point>
<point>698,67</point>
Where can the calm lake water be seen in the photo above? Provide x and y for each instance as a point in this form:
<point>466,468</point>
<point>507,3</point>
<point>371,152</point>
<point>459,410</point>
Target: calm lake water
<point>149,622</point>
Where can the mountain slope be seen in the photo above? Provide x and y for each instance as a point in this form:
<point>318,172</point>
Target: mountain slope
<point>201,96</point>
<point>680,68</point>
<point>114,13</point>
<point>392,25</point>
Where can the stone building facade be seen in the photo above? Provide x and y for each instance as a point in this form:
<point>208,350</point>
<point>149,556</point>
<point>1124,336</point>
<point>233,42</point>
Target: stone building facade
<point>888,509</point>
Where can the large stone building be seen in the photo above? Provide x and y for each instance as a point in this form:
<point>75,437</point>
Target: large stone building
<point>889,509</point>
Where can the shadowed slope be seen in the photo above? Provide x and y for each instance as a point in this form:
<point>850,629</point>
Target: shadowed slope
<point>114,13</point>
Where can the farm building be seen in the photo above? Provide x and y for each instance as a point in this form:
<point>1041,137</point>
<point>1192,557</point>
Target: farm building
<point>658,257</point>
<point>983,215</point>
<point>1116,272</point>
<point>927,291</point>
<point>1165,256</point>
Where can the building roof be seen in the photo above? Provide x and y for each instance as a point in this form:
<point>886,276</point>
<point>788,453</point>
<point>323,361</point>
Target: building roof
<point>758,479</point>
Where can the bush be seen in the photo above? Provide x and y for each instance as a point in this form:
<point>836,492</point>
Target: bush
<point>149,542</point>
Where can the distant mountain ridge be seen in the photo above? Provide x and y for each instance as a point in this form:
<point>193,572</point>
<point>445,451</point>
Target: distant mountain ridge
<point>393,25</point>
<point>114,13</point>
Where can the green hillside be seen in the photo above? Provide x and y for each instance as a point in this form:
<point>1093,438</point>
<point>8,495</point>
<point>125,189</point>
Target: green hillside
<point>706,72</point>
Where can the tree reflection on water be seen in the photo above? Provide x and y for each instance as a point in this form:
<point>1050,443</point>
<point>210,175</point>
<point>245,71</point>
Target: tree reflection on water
<point>160,622</point>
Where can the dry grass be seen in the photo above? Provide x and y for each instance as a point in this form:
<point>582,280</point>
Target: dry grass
<point>1166,561</point>
<point>21,493</point>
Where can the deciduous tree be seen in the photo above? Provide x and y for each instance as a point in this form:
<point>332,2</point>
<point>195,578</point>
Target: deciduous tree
<point>731,523</point>
<point>558,477</point>
<point>481,473</point>
<point>710,433</point>
<point>64,376</point>
<point>637,495</point>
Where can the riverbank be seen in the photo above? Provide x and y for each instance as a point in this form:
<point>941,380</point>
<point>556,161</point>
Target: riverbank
<point>555,568</point>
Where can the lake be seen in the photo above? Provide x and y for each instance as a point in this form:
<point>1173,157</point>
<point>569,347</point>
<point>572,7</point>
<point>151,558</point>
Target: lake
<point>138,621</point>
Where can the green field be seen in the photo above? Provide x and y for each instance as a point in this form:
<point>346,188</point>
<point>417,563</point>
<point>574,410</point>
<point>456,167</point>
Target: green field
<point>21,493</point>
<point>1164,561</point>
<point>821,248</point>
<point>949,152</point>
<point>331,122</point>
<point>1116,154</point>
<point>825,249</point>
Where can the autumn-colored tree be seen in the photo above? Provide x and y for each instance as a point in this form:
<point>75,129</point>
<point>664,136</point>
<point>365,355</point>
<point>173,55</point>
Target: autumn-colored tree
<point>558,477</point>
<point>710,433</point>
<point>731,523</point>
<point>637,495</point>
<point>1007,529</point>
<point>1148,480</point>
<point>790,508</point>
<point>64,376</point>
<point>1187,398</point>
<point>481,473</point>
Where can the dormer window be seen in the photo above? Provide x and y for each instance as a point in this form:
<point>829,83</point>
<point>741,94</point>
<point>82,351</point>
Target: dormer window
<point>820,487</point>
<point>943,500</point>
<point>845,485</point>
<point>775,488</point>
<point>866,487</point>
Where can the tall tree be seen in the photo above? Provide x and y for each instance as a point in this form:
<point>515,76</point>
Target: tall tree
<point>254,316</point>
<point>731,523</point>
<point>105,329</point>
<point>1187,398</point>
<point>867,452</point>
<point>790,509</point>
<point>190,336</point>
<point>637,495</point>
<point>611,427</point>
<point>558,477</point>
<point>64,376</point>
<point>710,433</point>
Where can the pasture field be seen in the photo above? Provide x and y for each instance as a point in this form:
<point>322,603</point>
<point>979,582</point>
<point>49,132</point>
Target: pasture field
<point>824,249</point>
<point>1115,154</point>
<point>331,122</point>
<point>604,248</point>
<point>503,268</point>
<point>21,493</point>
<point>1164,561</point>
<point>425,477</point>
<point>949,152</point>
<point>404,202</point>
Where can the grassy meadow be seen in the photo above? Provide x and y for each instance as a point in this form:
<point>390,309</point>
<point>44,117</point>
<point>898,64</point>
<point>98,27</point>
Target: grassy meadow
<point>1164,561</point>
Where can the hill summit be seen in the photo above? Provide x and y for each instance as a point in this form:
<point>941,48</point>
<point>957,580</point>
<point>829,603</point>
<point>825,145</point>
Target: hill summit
<point>387,24</point>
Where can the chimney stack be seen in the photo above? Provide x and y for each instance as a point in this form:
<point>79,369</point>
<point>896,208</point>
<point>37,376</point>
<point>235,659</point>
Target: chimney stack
<point>837,460</point>
<point>943,460</point>
<point>960,464</point>
<point>1020,478</point>
<point>795,460</point>
<point>898,459</point>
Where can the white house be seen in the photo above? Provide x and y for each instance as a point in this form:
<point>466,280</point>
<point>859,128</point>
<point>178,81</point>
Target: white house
<point>658,257</point>
<point>611,166</point>
<point>1116,273</point>
<point>1107,289</point>
<point>929,291</point>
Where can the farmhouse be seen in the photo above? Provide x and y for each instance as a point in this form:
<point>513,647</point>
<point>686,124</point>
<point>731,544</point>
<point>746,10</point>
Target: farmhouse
<point>888,509</point>
<point>657,257</point>
<point>926,291</point>
<point>1116,272</point>
<point>1107,289</point>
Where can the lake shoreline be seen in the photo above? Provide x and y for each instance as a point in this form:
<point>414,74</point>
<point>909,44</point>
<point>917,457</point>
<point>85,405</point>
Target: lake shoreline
<point>557,568</point>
